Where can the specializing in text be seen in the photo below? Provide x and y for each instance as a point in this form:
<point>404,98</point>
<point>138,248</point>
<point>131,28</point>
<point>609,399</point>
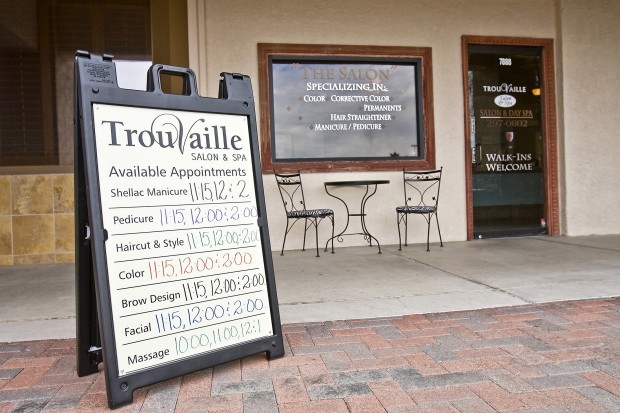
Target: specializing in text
<point>347,87</point>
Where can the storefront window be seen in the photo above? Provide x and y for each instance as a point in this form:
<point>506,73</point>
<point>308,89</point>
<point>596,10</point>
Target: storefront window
<point>362,109</point>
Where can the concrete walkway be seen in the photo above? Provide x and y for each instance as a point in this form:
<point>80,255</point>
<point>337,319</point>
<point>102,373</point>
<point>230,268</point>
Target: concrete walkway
<point>358,282</point>
<point>38,302</point>
<point>505,325</point>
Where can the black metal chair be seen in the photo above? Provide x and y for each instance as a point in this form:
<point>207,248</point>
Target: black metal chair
<point>421,198</point>
<point>292,192</point>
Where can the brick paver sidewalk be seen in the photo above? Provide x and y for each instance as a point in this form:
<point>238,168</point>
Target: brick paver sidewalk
<point>559,357</point>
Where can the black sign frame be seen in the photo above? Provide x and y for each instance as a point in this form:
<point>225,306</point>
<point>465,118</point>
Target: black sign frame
<point>95,83</point>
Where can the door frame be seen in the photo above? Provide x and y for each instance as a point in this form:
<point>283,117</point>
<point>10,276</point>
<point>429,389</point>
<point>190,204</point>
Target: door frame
<point>549,127</point>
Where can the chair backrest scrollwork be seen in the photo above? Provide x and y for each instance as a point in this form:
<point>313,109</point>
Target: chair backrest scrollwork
<point>422,188</point>
<point>291,191</point>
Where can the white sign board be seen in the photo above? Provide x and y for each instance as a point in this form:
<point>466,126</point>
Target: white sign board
<point>183,248</point>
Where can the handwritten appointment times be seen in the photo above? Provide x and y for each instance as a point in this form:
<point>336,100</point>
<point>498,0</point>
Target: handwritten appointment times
<point>190,280</point>
<point>184,250</point>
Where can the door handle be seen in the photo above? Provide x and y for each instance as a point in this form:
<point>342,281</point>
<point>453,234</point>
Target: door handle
<point>477,159</point>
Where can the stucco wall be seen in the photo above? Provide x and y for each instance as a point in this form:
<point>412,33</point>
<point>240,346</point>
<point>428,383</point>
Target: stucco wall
<point>591,86</point>
<point>231,30</point>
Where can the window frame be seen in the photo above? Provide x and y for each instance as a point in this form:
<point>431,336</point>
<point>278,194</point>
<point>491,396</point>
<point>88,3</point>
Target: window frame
<point>267,52</point>
<point>550,133</point>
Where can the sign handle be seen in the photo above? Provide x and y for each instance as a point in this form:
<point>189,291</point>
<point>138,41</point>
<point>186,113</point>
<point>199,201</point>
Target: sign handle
<point>153,79</point>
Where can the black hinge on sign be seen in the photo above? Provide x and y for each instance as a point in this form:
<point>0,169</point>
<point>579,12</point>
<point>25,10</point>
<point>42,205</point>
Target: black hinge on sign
<point>96,355</point>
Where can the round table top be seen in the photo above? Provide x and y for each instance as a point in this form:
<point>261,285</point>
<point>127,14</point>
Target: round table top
<point>358,182</point>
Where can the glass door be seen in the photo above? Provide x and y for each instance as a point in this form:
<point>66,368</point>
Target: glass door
<point>506,132</point>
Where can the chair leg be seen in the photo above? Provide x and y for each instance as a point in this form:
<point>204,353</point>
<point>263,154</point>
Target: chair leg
<point>438,230</point>
<point>428,233</point>
<point>400,248</point>
<point>285,234</point>
<point>406,228</point>
<point>316,235</point>
<point>303,248</point>
<point>331,218</point>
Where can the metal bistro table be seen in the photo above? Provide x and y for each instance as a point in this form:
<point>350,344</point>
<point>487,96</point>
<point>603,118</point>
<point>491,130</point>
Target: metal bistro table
<point>371,188</point>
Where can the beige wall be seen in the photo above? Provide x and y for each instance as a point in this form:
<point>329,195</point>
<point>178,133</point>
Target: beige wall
<point>36,211</point>
<point>232,30</point>
<point>588,71</point>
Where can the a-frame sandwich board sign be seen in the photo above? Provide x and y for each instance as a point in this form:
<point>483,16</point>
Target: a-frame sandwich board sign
<point>173,261</point>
